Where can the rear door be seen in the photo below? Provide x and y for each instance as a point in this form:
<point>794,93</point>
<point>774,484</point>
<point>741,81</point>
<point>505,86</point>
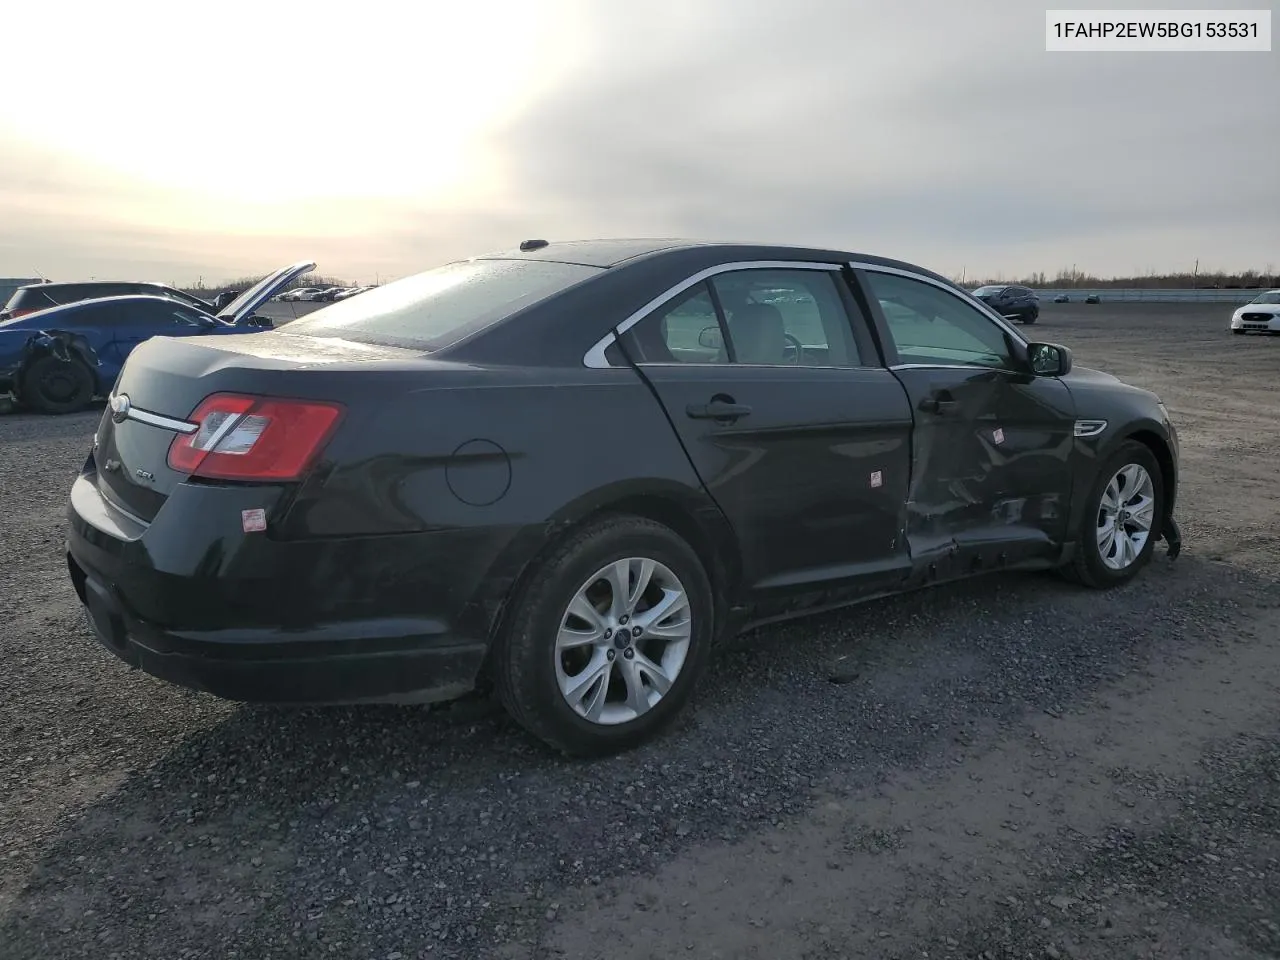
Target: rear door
<point>795,427</point>
<point>992,446</point>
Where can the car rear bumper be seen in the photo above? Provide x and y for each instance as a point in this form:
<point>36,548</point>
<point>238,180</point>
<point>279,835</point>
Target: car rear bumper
<point>318,630</point>
<point>354,662</point>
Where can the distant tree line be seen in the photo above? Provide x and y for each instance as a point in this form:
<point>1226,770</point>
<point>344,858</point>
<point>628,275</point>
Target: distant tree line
<point>1068,278</point>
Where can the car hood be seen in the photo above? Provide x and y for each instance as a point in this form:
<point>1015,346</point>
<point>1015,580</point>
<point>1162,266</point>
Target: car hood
<point>1272,308</point>
<point>1087,375</point>
<point>243,306</point>
<point>1085,383</point>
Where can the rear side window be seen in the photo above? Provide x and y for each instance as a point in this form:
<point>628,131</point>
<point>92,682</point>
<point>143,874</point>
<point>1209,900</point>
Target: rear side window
<point>430,311</point>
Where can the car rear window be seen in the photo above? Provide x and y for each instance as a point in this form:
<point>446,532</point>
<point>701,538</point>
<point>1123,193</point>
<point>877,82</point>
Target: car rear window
<point>32,299</point>
<point>432,310</point>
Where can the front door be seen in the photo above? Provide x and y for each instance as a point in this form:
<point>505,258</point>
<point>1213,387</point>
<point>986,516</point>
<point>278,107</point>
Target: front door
<point>796,429</point>
<point>991,483</point>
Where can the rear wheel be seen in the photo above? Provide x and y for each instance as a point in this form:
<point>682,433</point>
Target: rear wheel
<point>605,644</point>
<point>1120,526</point>
<point>51,385</point>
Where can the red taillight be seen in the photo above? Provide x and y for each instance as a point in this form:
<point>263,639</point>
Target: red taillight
<point>253,438</point>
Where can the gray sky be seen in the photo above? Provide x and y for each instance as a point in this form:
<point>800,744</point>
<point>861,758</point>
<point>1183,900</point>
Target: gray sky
<point>938,132</point>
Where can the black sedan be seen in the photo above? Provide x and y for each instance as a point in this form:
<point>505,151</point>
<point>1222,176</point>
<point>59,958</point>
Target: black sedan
<point>563,471</point>
<point>1011,301</point>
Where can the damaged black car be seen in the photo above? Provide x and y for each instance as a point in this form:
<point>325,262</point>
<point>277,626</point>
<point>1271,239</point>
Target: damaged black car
<point>562,471</point>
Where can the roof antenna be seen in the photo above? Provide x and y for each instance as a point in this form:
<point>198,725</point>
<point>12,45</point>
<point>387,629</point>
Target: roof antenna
<point>43,278</point>
<point>527,245</point>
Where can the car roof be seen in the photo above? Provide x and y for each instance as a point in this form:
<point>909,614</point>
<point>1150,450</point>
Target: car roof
<point>607,253</point>
<point>96,283</point>
<point>78,305</point>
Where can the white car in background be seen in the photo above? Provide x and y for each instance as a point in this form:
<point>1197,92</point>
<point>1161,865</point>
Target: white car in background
<point>1260,315</point>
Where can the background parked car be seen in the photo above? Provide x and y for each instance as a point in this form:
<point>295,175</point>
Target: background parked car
<point>299,293</point>
<point>1011,301</point>
<point>57,360</point>
<point>42,296</point>
<point>225,297</point>
<point>1062,298</point>
<point>1259,315</point>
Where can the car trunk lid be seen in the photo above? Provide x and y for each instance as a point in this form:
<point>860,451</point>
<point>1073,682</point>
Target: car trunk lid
<point>166,379</point>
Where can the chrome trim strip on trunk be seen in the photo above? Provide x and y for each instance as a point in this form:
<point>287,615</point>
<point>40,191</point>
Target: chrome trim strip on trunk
<point>158,419</point>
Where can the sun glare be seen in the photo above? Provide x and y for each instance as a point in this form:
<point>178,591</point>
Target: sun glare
<point>264,104</point>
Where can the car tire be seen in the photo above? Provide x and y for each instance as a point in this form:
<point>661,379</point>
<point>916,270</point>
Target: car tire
<point>536,678</point>
<point>1094,563</point>
<point>1031,317</point>
<point>57,386</point>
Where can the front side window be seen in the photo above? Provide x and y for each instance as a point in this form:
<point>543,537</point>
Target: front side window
<point>928,325</point>
<point>183,317</point>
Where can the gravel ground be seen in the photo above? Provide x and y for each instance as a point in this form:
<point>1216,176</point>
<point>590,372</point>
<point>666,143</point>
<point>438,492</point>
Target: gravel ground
<point>1009,768</point>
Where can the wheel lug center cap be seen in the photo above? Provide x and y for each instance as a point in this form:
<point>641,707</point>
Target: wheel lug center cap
<point>622,639</point>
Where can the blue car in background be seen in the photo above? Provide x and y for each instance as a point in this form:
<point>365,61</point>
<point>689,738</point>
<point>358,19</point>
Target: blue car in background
<point>57,360</point>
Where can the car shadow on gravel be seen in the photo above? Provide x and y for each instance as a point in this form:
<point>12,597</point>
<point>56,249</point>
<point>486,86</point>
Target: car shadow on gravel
<point>393,831</point>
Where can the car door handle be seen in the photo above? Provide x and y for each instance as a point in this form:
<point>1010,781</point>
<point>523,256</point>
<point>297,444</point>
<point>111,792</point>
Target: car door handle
<point>717,410</point>
<point>939,406</point>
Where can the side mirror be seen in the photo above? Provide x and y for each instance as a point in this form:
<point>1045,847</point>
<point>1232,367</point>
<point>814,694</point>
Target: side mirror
<point>711,338</point>
<point>1049,359</point>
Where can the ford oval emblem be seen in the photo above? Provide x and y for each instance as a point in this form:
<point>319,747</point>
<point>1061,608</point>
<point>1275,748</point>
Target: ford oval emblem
<point>120,407</point>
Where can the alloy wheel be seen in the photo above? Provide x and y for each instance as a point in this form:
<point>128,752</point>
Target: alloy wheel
<point>1126,515</point>
<point>623,640</point>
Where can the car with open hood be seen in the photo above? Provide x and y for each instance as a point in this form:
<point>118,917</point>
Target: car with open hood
<point>58,359</point>
<point>561,472</point>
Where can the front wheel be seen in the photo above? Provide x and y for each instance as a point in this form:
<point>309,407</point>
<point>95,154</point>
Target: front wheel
<point>604,646</point>
<point>1121,522</point>
<point>1031,317</point>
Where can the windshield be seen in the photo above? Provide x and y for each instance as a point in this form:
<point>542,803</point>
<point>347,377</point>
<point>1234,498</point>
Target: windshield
<point>1271,296</point>
<point>986,291</point>
<point>432,310</point>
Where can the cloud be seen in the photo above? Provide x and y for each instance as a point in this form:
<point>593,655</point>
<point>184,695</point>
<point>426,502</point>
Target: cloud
<point>934,131</point>
<point>940,133</point>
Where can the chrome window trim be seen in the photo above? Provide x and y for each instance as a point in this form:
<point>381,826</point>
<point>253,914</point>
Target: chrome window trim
<point>912,275</point>
<point>595,358</point>
<point>950,366</point>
